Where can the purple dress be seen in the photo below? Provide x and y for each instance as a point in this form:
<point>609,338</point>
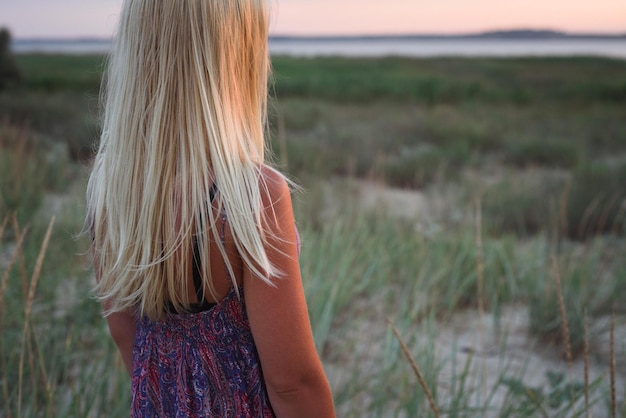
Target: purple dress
<point>199,365</point>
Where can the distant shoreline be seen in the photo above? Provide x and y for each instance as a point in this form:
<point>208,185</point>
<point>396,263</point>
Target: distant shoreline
<point>503,35</point>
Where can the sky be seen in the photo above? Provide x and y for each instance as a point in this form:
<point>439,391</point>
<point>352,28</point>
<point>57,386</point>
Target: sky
<point>97,18</point>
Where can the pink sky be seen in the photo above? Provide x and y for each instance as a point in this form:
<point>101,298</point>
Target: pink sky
<point>68,18</point>
<point>420,16</point>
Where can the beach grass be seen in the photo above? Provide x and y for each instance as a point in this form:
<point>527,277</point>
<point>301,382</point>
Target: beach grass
<point>515,258</point>
<point>359,273</point>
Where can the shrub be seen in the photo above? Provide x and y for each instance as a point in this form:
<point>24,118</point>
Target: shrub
<point>9,73</point>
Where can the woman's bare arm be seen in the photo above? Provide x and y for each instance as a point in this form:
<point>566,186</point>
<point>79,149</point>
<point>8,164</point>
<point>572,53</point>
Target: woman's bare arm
<point>293,372</point>
<point>121,326</point>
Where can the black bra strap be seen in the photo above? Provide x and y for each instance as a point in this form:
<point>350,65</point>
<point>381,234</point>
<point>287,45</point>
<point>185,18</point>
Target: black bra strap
<point>197,273</point>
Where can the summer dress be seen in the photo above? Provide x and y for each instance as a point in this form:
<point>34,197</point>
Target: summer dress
<point>199,364</point>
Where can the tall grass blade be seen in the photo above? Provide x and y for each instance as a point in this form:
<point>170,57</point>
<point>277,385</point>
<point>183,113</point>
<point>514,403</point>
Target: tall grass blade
<point>480,279</point>
<point>612,364</point>
<point>586,356</point>
<point>564,325</point>
<point>28,310</point>
<point>415,367</point>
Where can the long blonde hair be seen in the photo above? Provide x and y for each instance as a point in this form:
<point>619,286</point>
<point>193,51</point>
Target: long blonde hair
<point>185,108</point>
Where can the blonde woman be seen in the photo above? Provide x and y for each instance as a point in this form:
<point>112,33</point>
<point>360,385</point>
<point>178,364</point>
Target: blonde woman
<point>194,242</point>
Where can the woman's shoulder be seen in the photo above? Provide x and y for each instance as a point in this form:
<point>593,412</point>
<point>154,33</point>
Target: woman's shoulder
<point>273,185</point>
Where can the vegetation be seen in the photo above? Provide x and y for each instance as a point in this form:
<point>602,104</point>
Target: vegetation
<point>9,73</point>
<point>527,155</point>
<point>453,80</point>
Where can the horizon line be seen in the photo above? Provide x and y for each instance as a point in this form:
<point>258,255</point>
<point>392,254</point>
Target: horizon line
<point>517,32</point>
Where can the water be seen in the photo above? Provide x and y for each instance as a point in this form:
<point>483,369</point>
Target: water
<point>95,46</point>
<point>415,47</point>
<point>378,47</point>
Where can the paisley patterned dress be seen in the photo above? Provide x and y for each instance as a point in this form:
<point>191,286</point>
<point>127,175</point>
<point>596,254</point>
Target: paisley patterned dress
<point>198,365</point>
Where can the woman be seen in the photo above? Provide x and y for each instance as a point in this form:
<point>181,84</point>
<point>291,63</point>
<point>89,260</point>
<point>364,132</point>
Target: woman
<point>194,242</point>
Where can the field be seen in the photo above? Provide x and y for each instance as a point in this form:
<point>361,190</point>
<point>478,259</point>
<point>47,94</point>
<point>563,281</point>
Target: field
<point>463,225</point>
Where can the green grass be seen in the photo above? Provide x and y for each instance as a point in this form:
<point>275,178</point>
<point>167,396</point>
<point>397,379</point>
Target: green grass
<point>56,72</point>
<point>453,80</point>
<point>429,81</point>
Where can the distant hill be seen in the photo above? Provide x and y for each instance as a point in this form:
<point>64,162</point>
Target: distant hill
<point>544,34</point>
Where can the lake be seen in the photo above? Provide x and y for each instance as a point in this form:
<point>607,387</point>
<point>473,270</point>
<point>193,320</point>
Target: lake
<point>378,47</point>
